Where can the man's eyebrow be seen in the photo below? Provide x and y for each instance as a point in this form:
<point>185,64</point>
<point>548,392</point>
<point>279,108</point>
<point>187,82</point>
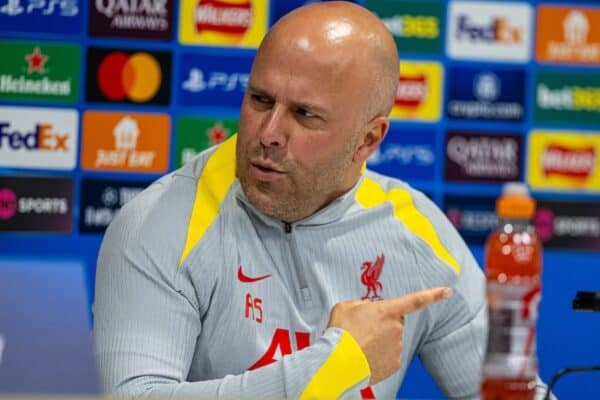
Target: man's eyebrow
<point>296,104</point>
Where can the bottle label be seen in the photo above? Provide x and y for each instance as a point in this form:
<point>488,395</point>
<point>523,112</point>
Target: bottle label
<point>511,349</point>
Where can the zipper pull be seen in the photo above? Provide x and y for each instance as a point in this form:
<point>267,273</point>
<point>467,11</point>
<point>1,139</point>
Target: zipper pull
<point>288,227</point>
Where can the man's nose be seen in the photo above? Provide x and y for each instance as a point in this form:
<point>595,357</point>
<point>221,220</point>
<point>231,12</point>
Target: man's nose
<point>273,130</point>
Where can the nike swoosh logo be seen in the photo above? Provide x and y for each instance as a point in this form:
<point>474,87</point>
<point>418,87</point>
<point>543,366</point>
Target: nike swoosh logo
<point>247,279</point>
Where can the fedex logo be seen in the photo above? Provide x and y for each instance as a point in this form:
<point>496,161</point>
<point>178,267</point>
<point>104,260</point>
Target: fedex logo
<point>50,142</point>
<point>42,138</point>
<point>498,30</point>
<point>489,31</point>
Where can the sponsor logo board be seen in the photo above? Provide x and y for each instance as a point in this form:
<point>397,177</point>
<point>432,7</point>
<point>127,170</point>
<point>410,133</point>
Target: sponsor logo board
<point>568,224</point>
<point>239,23</point>
<point>561,160</point>
<point>567,97</point>
<point>194,135</point>
<point>131,142</point>
<point>569,35</point>
<point>405,154</point>
<point>141,19</point>
<point>486,94</point>
<point>416,26</point>
<point>36,204</point>
<point>474,218</point>
<point>38,138</point>
<point>215,81</point>
<point>39,71</point>
<point>101,199</point>
<point>419,92</point>
<point>128,76</point>
<point>495,31</point>
<point>44,16</point>
<point>482,157</point>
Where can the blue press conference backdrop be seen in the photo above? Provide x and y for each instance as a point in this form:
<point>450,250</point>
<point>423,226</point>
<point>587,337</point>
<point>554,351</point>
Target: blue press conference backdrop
<point>99,98</point>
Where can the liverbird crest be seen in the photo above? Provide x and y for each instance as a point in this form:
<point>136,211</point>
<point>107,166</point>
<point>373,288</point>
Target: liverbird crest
<point>370,277</point>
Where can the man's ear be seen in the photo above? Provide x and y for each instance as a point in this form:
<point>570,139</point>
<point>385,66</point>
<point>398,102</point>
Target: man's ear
<point>371,137</point>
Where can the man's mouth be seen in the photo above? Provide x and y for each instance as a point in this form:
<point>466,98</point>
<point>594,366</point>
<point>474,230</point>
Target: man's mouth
<point>265,171</point>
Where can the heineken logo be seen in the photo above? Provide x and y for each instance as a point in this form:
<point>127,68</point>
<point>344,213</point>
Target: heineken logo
<point>39,71</point>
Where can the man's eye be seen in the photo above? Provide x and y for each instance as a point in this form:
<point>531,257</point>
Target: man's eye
<point>305,113</point>
<point>260,99</point>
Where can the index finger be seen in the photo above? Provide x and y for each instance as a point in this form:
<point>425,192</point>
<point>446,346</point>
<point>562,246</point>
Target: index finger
<point>418,300</point>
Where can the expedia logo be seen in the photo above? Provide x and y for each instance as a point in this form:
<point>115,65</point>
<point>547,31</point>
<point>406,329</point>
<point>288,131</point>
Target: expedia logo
<point>411,91</point>
<point>573,163</point>
<point>223,17</point>
<point>128,76</point>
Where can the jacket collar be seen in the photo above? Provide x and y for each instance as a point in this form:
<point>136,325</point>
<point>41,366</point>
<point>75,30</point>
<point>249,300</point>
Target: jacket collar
<point>329,214</point>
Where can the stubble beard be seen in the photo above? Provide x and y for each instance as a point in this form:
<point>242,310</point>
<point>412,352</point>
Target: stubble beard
<point>300,193</point>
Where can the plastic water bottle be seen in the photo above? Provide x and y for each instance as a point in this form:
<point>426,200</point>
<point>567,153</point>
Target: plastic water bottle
<point>513,262</point>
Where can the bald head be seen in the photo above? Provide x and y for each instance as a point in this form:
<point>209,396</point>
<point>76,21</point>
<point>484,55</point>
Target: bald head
<point>350,37</point>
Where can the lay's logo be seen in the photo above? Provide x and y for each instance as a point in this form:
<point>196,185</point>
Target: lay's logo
<point>559,160</point>
<point>220,16</point>
<point>411,91</point>
<point>576,163</point>
<point>419,92</point>
<point>223,22</point>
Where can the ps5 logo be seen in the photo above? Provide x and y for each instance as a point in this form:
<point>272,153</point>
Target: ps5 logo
<point>217,80</point>
<point>2,346</point>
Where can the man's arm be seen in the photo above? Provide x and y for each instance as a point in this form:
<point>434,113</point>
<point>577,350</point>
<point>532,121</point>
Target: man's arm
<point>146,325</point>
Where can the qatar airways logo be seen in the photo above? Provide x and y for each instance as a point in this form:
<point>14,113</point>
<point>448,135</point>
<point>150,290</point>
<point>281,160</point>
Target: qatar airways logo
<point>573,163</point>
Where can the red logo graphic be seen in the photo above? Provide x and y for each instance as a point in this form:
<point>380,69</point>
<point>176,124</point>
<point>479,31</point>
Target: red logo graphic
<point>246,279</point>
<point>8,204</point>
<point>136,77</point>
<point>221,16</point>
<point>217,134</point>
<point>411,91</point>
<point>36,61</point>
<point>370,277</point>
<point>574,163</point>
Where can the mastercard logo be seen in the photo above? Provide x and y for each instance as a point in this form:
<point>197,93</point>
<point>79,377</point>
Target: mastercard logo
<point>136,77</point>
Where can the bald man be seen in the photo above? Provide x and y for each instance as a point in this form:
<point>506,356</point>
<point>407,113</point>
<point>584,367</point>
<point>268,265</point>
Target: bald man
<point>275,265</point>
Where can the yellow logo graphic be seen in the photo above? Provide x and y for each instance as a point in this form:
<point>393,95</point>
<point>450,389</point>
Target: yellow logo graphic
<point>240,23</point>
<point>559,160</point>
<point>419,92</point>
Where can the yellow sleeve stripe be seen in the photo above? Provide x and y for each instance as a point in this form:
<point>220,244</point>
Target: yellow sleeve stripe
<point>344,368</point>
<point>371,194</point>
<point>214,182</point>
